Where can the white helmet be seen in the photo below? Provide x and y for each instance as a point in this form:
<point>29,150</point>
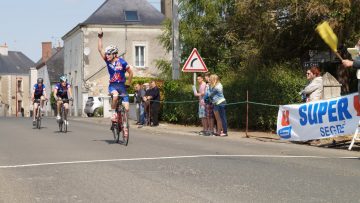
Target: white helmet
<point>111,50</point>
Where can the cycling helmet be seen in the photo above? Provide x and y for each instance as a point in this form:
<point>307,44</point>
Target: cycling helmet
<point>40,80</point>
<point>111,50</point>
<point>63,78</point>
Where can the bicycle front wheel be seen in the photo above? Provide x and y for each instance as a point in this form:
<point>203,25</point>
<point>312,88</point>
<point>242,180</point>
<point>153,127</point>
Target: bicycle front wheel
<point>38,123</point>
<point>60,125</point>
<point>38,119</point>
<point>116,132</point>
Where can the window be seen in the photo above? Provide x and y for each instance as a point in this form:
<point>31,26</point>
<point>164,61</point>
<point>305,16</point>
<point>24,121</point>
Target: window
<point>19,85</point>
<point>131,16</point>
<point>140,56</point>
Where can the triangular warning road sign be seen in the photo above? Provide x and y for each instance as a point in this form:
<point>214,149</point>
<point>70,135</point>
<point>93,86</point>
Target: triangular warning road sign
<point>194,63</point>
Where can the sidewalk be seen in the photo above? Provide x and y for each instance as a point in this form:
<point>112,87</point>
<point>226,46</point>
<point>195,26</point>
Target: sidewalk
<point>185,130</point>
<point>341,142</point>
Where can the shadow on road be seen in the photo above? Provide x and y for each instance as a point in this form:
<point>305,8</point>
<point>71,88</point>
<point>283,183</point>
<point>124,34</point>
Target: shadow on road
<point>107,141</point>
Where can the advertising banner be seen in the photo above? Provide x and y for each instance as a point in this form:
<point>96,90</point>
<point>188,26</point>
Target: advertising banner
<point>319,119</point>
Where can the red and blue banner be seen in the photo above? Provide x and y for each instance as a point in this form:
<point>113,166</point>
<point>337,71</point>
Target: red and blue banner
<point>319,119</point>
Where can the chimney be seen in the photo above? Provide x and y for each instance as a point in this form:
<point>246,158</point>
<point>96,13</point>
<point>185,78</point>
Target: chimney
<point>4,50</point>
<point>46,51</point>
<point>166,8</point>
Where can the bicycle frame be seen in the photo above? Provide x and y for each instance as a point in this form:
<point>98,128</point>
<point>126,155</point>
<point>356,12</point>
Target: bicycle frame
<point>38,113</point>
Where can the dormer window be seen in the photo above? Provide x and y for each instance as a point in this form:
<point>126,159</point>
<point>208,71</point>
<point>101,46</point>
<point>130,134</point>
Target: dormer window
<point>131,16</point>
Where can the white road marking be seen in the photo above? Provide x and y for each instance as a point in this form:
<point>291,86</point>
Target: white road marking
<point>171,157</point>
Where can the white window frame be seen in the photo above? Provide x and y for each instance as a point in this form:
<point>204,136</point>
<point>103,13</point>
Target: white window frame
<point>140,44</point>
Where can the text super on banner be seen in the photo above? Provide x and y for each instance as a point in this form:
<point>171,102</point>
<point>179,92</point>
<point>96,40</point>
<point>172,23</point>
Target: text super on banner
<point>319,119</point>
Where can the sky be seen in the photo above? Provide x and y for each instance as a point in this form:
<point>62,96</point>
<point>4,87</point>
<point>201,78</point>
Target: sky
<point>27,23</point>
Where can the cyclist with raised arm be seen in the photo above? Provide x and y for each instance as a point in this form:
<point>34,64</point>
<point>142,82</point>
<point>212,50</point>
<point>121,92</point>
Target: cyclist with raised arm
<point>38,93</point>
<point>117,67</point>
<point>62,91</point>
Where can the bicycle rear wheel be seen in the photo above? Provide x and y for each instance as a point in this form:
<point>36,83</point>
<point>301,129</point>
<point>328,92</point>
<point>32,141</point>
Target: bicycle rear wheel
<point>124,128</point>
<point>116,132</point>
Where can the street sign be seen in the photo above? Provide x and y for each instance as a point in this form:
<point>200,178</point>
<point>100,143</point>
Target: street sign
<point>194,63</point>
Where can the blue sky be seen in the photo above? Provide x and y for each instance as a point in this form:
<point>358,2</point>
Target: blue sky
<point>27,23</point>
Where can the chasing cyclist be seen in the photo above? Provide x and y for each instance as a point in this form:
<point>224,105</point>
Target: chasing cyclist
<point>38,93</point>
<point>62,91</point>
<point>117,67</point>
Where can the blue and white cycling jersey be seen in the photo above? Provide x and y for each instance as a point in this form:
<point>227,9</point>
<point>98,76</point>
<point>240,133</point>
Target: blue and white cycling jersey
<point>39,90</point>
<point>117,70</point>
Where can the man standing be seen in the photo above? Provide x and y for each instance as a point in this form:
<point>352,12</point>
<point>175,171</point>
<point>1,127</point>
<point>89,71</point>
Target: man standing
<point>139,94</point>
<point>200,94</point>
<point>356,64</point>
<point>154,97</point>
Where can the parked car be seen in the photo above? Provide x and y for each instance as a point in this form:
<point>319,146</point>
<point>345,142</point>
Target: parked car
<point>94,106</point>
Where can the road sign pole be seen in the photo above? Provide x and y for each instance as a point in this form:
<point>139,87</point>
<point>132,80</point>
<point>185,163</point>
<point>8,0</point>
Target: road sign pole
<point>195,79</point>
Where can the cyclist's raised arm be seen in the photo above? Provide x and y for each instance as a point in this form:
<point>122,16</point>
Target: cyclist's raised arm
<point>100,45</point>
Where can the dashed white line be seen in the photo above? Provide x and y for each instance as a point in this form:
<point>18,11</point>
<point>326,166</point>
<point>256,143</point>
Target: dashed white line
<point>170,157</point>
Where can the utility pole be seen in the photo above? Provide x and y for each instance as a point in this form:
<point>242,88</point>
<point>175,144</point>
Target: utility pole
<point>175,41</point>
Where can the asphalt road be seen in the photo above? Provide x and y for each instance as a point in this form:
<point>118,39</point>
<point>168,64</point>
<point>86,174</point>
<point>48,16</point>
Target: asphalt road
<point>85,165</point>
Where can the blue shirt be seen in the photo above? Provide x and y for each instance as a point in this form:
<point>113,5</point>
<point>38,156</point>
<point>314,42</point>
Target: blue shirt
<point>62,91</point>
<point>39,90</point>
<point>117,70</point>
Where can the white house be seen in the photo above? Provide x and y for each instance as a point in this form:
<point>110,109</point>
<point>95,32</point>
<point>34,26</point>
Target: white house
<point>14,82</point>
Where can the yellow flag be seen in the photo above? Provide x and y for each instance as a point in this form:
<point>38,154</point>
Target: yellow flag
<point>328,35</point>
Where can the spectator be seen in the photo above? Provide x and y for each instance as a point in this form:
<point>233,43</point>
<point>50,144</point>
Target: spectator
<point>218,99</point>
<point>146,87</point>
<point>314,90</point>
<point>209,107</point>
<point>356,64</point>
<point>200,93</point>
<point>154,97</point>
<point>139,94</point>
<point>309,76</point>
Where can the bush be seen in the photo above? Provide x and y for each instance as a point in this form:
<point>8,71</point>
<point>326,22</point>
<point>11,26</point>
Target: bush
<point>275,85</point>
<point>99,112</point>
<point>181,113</point>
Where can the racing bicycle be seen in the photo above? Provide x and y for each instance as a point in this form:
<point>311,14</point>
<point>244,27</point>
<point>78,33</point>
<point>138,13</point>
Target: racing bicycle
<point>63,122</point>
<point>119,126</point>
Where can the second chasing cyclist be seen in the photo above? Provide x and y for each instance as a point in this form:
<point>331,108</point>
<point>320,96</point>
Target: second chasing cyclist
<point>62,90</point>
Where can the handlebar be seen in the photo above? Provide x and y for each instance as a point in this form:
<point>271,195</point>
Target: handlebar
<point>61,99</point>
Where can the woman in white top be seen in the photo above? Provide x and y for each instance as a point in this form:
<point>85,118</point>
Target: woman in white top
<point>314,90</point>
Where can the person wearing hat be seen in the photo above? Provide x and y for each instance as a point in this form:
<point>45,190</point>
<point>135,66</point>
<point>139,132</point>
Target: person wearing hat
<point>139,94</point>
<point>355,63</point>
